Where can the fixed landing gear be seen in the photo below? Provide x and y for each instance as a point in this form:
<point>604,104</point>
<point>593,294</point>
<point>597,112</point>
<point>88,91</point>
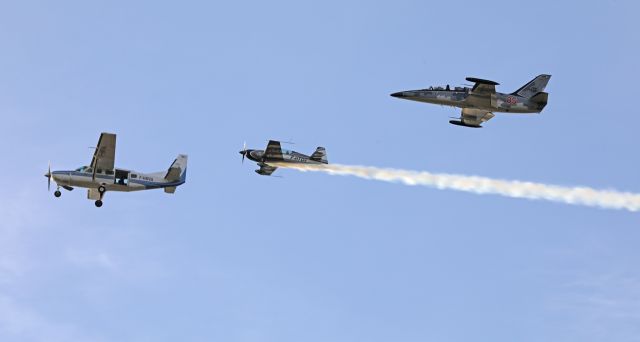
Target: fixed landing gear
<point>57,193</point>
<point>101,190</point>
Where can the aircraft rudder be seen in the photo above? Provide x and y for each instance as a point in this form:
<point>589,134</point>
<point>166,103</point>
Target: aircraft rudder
<point>183,160</point>
<point>178,169</point>
<point>533,87</point>
<point>320,155</point>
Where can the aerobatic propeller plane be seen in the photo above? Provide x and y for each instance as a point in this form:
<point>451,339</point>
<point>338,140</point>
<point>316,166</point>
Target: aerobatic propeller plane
<point>101,175</point>
<point>274,154</point>
<point>481,101</point>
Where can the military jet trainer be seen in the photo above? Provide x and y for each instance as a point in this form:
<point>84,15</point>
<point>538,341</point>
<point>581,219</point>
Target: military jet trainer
<point>481,101</point>
<point>274,155</point>
<point>101,176</point>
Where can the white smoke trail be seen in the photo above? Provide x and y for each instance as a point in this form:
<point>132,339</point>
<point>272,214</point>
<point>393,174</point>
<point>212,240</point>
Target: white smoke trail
<point>608,199</point>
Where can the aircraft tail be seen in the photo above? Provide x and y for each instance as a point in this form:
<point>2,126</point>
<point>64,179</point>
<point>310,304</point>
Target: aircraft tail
<point>320,155</point>
<point>540,99</point>
<point>178,169</point>
<point>534,86</point>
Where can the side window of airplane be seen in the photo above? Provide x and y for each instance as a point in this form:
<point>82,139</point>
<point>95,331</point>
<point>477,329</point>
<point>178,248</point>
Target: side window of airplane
<point>110,172</point>
<point>88,170</point>
<point>98,170</point>
<point>133,175</point>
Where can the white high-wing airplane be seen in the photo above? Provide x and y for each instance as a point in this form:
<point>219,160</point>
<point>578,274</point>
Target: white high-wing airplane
<point>101,176</point>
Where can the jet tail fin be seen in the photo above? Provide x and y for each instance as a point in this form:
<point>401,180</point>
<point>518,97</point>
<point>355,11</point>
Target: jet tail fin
<point>534,86</point>
<point>320,155</point>
<point>178,169</point>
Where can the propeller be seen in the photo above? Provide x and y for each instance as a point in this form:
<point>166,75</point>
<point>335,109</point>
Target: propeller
<point>244,151</point>
<point>48,175</point>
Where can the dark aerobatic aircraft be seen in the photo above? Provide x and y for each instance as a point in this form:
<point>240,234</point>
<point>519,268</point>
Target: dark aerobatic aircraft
<point>274,155</point>
<point>481,101</point>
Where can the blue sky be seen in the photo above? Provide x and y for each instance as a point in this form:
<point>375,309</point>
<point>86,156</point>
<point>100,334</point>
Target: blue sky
<point>309,257</point>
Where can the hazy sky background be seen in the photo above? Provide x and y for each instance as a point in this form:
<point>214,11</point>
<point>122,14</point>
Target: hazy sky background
<point>233,256</point>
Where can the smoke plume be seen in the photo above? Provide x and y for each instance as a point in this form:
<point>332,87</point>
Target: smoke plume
<point>609,199</point>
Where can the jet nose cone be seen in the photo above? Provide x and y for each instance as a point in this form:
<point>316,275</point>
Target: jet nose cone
<point>398,94</point>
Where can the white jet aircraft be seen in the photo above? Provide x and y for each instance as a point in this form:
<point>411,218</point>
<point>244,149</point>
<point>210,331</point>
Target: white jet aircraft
<point>101,176</point>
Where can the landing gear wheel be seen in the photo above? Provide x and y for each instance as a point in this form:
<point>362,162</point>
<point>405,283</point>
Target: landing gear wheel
<point>98,203</point>
<point>102,189</point>
<point>57,193</point>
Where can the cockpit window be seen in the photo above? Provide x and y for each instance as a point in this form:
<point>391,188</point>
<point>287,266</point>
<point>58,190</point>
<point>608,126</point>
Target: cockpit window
<point>447,88</point>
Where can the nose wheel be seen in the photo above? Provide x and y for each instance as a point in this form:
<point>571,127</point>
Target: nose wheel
<point>98,203</point>
<point>57,193</point>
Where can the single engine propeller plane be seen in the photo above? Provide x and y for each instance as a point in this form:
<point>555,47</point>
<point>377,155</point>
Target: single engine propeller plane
<point>101,175</point>
<point>274,155</point>
<point>481,101</point>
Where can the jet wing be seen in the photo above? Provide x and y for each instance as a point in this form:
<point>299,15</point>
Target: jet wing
<point>475,117</point>
<point>482,87</point>
<point>273,151</point>
<point>266,170</point>
<point>105,153</point>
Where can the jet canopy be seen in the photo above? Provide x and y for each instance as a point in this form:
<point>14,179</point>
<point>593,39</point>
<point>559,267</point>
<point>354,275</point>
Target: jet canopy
<point>446,88</point>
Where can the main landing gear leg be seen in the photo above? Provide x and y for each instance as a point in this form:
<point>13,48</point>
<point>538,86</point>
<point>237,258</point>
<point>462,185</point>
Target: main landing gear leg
<point>101,190</point>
